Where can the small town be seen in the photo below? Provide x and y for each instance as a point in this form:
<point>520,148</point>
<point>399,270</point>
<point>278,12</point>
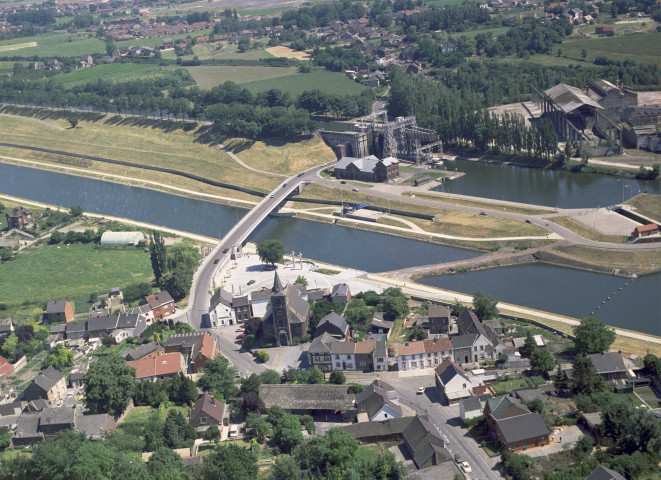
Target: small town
<point>330,240</point>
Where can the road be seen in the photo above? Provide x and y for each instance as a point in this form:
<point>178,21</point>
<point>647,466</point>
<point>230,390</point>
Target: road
<point>447,422</point>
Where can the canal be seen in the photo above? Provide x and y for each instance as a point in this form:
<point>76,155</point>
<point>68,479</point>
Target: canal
<point>541,186</point>
<point>574,293</point>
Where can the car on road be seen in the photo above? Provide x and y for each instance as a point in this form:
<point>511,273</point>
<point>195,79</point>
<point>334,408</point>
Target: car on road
<point>458,459</point>
<point>300,174</point>
<point>239,330</point>
<point>239,374</point>
<point>239,336</point>
<point>284,185</point>
<point>250,282</point>
<point>465,466</point>
<point>355,189</point>
<point>271,196</point>
<point>420,390</point>
<point>528,220</point>
<point>225,250</point>
<point>483,213</point>
<point>343,182</point>
<point>215,262</point>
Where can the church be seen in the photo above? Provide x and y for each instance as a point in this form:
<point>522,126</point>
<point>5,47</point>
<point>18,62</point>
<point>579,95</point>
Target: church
<point>288,315</point>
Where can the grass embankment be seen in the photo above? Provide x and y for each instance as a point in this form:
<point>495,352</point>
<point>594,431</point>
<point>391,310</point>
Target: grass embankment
<point>586,232</point>
<point>647,204</point>
<point>627,261</point>
<point>177,145</point>
<point>280,156</point>
<point>477,203</point>
<point>52,272</point>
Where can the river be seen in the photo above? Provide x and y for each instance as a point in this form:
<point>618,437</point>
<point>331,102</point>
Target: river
<point>541,186</point>
<point>574,293</point>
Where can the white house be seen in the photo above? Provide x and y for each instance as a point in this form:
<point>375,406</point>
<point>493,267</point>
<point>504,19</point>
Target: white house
<point>423,353</point>
<point>470,407</point>
<point>454,384</point>
<point>379,401</point>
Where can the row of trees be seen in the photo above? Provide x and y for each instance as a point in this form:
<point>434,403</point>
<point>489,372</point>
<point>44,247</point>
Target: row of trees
<point>173,266</point>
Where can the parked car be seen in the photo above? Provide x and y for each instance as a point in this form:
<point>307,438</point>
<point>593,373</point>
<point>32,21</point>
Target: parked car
<point>483,213</point>
<point>225,250</point>
<point>239,374</point>
<point>355,189</point>
<point>215,262</point>
<point>250,282</point>
<point>239,336</point>
<point>343,182</point>
<point>420,391</point>
<point>271,196</point>
<point>300,174</point>
<point>465,466</point>
<point>458,458</point>
<point>528,220</point>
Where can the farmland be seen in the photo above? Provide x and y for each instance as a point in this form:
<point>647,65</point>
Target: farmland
<point>644,47</point>
<point>329,82</point>
<point>209,76</point>
<point>114,72</point>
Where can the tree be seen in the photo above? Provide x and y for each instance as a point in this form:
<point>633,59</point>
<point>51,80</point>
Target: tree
<point>641,432</point>
<point>5,438</point>
<point>76,210</point>
<point>175,429</point>
<point>6,254</point>
<point>301,280</point>
<point>536,405</point>
<point>593,336</point>
<point>416,333</point>
<point>166,464</point>
<point>516,465</point>
<point>109,385</point>
<point>154,438</point>
<point>270,377</point>
<point>230,461</point>
<point>541,361</point>
<point>260,427</point>
<point>337,377</point>
<point>652,364</point>
<point>262,356</point>
<point>212,433</point>
<point>393,303</point>
<point>585,378</point>
<point>55,238</point>
<point>244,44</point>
<point>158,255</point>
<point>270,251</point>
<point>561,381</point>
<point>248,341</point>
<point>357,313</point>
<point>9,347</point>
<point>316,376</point>
<point>252,326</point>
<point>61,358</point>
<point>529,345</point>
<point>110,46</point>
<point>287,433</point>
<point>582,448</point>
<point>286,468</point>
<point>177,282</point>
<point>73,121</point>
<point>183,255</point>
<point>485,306</point>
<point>218,377</point>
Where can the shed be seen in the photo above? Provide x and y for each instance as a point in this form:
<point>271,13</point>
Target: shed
<point>122,238</point>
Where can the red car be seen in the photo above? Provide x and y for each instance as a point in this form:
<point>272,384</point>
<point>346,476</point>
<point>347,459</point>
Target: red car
<point>240,336</point>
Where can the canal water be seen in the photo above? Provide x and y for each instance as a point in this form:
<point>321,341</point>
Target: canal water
<point>542,187</point>
<point>344,246</point>
<point>568,292</point>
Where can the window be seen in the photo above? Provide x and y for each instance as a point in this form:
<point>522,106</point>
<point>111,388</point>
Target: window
<point>464,385</point>
<point>337,364</point>
<point>481,347</point>
<point>337,357</point>
<point>203,420</point>
<point>349,365</point>
<point>475,349</point>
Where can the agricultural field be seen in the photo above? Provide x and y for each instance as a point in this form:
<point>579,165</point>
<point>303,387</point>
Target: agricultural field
<point>287,52</point>
<point>52,272</point>
<point>207,77</point>
<point>643,47</point>
<point>53,45</point>
<point>116,72</point>
<point>228,52</point>
<point>328,82</point>
<point>177,145</point>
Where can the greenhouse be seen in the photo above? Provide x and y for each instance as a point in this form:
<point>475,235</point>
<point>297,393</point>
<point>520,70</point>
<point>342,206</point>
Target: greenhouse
<point>115,239</point>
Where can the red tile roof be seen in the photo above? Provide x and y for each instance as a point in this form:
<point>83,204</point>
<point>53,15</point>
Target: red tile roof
<point>157,364</point>
<point>437,345</point>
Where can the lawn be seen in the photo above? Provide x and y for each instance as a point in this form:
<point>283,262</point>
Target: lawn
<point>55,271</point>
<point>644,47</point>
<point>648,395</point>
<point>136,421</point>
<point>112,72</point>
<point>175,145</point>
<point>586,232</point>
<point>486,204</point>
<point>639,260</point>
<point>647,204</point>
<point>207,77</point>
<point>281,156</point>
<point>54,44</point>
<point>502,388</point>
<point>230,52</point>
<point>328,82</point>
<point>369,453</point>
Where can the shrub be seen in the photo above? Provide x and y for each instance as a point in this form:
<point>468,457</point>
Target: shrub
<point>262,356</point>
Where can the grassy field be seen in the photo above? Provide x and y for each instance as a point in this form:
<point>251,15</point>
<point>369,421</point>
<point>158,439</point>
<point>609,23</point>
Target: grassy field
<point>328,82</point>
<point>279,156</point>
<point>115,72</point>
<point>502,388</point>
<point>647,204</point>
<point>287,52</point>
<point>639,260</point>
<point>229,52</point>
<point>55,271</point>
<point>166,144</point>
<point>53,44</point>
<point>210,76</point>
<point>586,232</point>
<point>644,47</point>
<point>477,203</point>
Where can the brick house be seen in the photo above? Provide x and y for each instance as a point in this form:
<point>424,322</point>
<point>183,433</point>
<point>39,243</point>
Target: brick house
<point>368,169</point>
<point>646,230</point>
<point>58,311</point>
<point>198,347</point>
<point>18,217</point>
<point>158,366</point>
<point>208,411</point>
<point>161,303</point>
<point>439,319</point>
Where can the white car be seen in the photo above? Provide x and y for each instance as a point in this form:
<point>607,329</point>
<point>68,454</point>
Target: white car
<point>466,467</point>
<point>420,391</point>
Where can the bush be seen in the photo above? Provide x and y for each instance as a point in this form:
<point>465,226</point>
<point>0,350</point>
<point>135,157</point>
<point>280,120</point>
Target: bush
<point>263,356</point>
<point>248,341</point>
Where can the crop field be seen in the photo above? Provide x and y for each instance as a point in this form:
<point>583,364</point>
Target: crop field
<point>116,72</point>
<point>56,271</point>
<point>327,82</point>
<point>210,76</point>
<point>287,52</point>
<point>166,144</point>
<point>229,52</point>
<point>17,46</point>
<point>643,47</point>
<point>55,44</point>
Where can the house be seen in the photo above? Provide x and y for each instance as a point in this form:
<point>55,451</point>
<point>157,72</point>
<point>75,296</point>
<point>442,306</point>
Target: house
<point>646,230</point>
<point>470,407</point>
<point>226,309</point>
<point>422,353</point>
<point>18,217</point>
<point>288,315</point>
<point>515,427</point>
<point>319,353</point>
<point>98,327</point>
<point>379,326</point>
<point>602,473</point>
<point>333,324</point>
<point>6,327</point>
<point>161,303</point>
<point>58,311</point>
<point>158,366</point>
<point>378,401</point>
<point>529,394</point>
<point>368,169</point>
<point>6,368</point>
<point>390,430</point>
<point>32,427</point>
<point>142,350</point>
<point>198,347</point>
<point>611,366</point>
<point>453,383</point>
<point>414,68</point>
<point>604,30</point>
<point>49,385</point>
<point>439,319</point>
<point>75,330</point>
<point>128,325</point>
<point>340,293</point>
<point>380,355</point>
<point>424,443</point>
<point>310,399</point>
<point>207,411</point>
<point>353,355</point>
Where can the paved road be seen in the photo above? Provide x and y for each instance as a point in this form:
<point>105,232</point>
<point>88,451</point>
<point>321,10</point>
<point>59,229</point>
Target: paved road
<point>429,403</point>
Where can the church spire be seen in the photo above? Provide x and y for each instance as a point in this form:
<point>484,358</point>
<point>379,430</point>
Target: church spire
<point>277,284</point>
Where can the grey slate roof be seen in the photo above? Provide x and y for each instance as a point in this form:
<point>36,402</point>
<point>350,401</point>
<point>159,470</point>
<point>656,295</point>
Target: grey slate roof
<point>141,310</point>
<point>527,395</point>
<point>93,426</point>
<point>183,340</point>
<point>321,344</point>
<point>380,349</point>
<point>48,378</point>
<point>498,405</point>
<point>337,321</point>
<point>105,322</point>
<point>74,327</point>
<point>463,341</point>
<point>340,290</point>
<point>438,310</point>
<point>208,405</point>
<point>127,320</point>
<point>522,427</point>
<point>57,416</point>
<point>57,328</point>
<point>471,404</point>
<point>570,98</point>
<point>308,397</point>
<point>375,396</point>
<point>220,296</point>
<point>141,351</point>
<point>449,372</point>
<point>385,428</point>
<point>381,323</point>
<point>56,306</point>
<point>608,362</point>
<point>258,295</point>
<point>603,473</point>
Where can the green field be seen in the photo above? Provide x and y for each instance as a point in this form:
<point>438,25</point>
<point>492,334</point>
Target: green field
<point>642,47</point>
<point>116,72</point>
<point>210,76</point>
<point>229,52</point>
<point>54,272</point>
<point>328,82</point>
